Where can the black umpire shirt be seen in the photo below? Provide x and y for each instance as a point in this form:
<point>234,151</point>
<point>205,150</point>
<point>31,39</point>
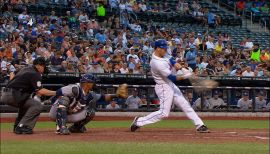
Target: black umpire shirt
<point>28,80</point>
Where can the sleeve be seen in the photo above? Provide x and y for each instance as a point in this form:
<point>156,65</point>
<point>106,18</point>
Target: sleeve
<point>239,103</point>
<point>68,91</point>
<point>36,81</point>
<point>164,70</point>
<point>127,100</point>
<point>97,97</point>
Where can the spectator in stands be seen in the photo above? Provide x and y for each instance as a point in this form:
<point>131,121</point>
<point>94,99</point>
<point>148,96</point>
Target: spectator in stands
<point>260,102</point>
<point>124,69</point>
<point>219,46</point>
<point>248,72</point>
<point>101,12</point>
<point>211,19</point>
<point>240,6</point>
<point>96,68</point>
<point>248,43</point>
<point>210,43</point>
<point>264,8</point>
<point>133,101</point>
<point>244,103</point>
<point>191,56</point>
<point>255,53</point>
<point>113,105</point>
<point>216,102</point>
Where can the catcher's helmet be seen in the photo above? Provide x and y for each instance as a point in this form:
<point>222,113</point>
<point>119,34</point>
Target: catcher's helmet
<point>161,43</point>
<point>88,78</point>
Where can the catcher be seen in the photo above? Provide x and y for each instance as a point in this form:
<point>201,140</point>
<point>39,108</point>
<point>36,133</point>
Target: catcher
<point>76,104</point>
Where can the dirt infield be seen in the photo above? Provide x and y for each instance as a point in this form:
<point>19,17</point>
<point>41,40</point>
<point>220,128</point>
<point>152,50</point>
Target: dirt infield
<point>147,135</point>
<point>119,118</point>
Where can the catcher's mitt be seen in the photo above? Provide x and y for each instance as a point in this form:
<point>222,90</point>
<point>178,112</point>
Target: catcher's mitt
<point>122,91</point>
<point>203,84</point>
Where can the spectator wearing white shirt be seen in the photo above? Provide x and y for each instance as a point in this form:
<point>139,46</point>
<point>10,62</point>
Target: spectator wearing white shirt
<point>132,54</point>
<point>198,40</point>
<point>23,17</point>
<point>96,68</point>
<point>204,62</point>
<point>210,43</point>
<point>124,69</point>
<point>248,72</point>
<point>113,106</point>
<point>142,6</point>
<point>244,103</point>
<point>248,44</point>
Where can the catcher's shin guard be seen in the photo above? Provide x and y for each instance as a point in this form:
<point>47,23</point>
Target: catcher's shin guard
<point>61,112</point>
<point>79,127</point>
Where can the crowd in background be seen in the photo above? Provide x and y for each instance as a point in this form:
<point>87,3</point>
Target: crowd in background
<point>112,45</point>
<point>256,6</point>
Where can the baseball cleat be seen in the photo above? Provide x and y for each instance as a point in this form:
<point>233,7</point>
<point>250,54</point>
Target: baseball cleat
<point>74,129</point>
<point>203,129</point>
<point>133,126</point>
<point>64,131</point>
<point>23,130</point>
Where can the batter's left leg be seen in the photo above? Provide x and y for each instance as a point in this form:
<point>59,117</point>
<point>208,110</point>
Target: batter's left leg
<point>181,102</point>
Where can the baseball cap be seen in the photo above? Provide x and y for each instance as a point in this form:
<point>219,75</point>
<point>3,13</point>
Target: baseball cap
<point>215,92</point>
<point>161,43</point>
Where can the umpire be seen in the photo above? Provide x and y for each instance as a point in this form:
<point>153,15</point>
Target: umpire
<point>18,94</point>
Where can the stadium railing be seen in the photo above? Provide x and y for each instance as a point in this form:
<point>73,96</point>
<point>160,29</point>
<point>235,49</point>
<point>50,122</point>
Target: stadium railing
<point>231,89</point>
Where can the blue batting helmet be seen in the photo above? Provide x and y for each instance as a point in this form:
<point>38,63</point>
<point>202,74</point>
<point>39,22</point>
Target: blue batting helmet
<point>88,78</point>
<point>161,43</point>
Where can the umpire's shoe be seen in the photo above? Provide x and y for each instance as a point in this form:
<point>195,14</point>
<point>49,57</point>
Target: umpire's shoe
<point>203,129</point>
<point>23,130</point>
<point>75,129</point>
<point>63,131</point>
<point>133,126</point>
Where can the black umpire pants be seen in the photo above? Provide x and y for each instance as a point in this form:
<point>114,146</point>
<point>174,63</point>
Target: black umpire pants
<point>28,108</point>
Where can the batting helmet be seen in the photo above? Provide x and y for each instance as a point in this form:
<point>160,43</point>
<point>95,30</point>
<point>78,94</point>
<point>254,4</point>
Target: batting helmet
<point>161,43</point>
<point>88,78</point>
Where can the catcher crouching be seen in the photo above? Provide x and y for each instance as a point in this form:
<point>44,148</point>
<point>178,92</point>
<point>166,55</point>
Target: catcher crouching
<point>76,104</point>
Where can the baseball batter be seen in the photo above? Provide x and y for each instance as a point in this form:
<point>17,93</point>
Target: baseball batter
<point>76,103</point>
<point>167,91</point>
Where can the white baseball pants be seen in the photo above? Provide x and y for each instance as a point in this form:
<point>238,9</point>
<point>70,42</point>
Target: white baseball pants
<point>168,94</point>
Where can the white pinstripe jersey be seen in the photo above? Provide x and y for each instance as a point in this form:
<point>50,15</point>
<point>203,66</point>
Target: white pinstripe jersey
<point>161,68</point>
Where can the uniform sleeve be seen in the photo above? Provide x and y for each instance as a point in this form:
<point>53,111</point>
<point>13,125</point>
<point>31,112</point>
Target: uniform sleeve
<point>35,80</point>
<point>127,101</point>
<point>239,103</point>
<point>97,97</point>
<point>66,91</point>
<point>164,70</point>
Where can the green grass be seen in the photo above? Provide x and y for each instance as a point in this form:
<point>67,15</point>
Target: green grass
<point>72,147</point>
<point>237,124</point>
<point>16,147</point>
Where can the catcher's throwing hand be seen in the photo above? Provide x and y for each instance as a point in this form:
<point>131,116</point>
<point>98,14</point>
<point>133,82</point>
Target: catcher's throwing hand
<point>122,91</point>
